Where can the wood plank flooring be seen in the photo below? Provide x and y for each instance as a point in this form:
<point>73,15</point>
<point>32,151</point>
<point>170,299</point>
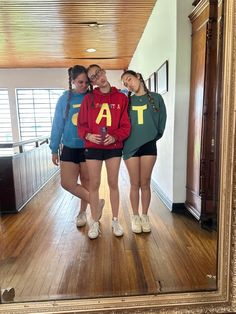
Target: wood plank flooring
<point>44,256</point>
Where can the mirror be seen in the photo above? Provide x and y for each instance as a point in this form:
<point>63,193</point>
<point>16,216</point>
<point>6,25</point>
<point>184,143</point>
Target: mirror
<point>221,299</point>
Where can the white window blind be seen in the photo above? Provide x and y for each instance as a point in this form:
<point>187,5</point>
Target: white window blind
<point>36,110</point>
<point>5,117</point>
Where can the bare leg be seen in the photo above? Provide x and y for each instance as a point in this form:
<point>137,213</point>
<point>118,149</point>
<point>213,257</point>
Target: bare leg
<point>146,166</point>
<point>133,167</point>
<point>94,171</point>
<point>113,166</point>
<point>69,180</point>
<point>84,179</point>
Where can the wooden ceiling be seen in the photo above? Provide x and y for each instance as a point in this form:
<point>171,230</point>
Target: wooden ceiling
<point>56,33</point>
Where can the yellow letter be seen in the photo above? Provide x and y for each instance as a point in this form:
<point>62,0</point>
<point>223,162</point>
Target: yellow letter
<point>140,110</point>
<point>104,113</point>
<point>75,115</point>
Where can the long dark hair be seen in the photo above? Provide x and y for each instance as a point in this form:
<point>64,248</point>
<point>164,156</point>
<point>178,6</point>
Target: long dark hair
<point>140,77</point>
<point>73,72</point>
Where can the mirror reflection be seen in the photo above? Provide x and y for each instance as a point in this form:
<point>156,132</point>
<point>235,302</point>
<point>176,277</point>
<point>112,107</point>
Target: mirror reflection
<point>46,252</point>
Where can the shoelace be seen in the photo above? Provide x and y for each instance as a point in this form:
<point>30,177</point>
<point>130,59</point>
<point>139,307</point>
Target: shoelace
<point>117,229</point>
<point>145,219</point>
<point>136,219</point>
<point>95,227</point>
<point>116,226</point>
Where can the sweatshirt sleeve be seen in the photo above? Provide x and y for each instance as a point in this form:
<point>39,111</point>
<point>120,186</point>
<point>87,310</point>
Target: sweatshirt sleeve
<point>162,119</point>
<point>123,131</point>
<point>57,125</point>
<point>82,123</point>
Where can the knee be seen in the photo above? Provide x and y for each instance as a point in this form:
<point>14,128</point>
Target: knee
<point>135,185</point>
<point>94,185</point>
<point>145,184</point>
<point>68,186</point>
<point>84,181</point>
<point>113,184</point>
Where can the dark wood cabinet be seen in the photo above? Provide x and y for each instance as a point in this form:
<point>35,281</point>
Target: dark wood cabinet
<point>22,175</point>
<point>203,129</point>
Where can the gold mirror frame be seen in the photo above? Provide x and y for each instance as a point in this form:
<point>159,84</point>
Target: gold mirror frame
<point>224,299</point>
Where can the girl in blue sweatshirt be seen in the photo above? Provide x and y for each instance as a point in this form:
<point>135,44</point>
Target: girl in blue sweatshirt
<point>64,130</point>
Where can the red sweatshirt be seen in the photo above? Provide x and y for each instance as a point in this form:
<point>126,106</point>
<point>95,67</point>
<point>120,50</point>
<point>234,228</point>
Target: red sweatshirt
<point>104,110</point>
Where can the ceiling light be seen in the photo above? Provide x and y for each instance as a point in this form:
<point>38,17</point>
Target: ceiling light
<point>93,24</point>
<point>91,50</point>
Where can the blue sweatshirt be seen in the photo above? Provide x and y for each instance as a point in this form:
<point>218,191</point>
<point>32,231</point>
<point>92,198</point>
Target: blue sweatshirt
<point>64,130</point>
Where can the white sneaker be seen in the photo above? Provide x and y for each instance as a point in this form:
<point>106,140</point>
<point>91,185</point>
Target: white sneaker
<point>136,224</point>
<point>145,223</point>
<point>81,219</point>
<point>117,228</point>
<point>94,230</point>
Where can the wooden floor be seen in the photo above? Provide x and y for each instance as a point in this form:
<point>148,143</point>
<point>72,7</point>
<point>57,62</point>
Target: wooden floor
<point>44,256</point>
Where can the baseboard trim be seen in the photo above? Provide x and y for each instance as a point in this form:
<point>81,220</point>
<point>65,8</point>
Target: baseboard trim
<point>156,189</point>
<point>173,207</point>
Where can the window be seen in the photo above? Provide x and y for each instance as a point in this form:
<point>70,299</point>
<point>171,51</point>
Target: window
<point>36,110</point>
<point>5,117</point>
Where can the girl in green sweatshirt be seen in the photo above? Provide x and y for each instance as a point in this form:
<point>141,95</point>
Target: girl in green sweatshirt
<point>147,113</point>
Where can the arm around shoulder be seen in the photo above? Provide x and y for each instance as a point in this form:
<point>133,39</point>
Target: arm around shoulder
<point>124,126</point>
<point>82,123</point>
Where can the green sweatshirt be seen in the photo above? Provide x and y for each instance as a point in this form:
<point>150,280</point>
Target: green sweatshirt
<point>147,122</point>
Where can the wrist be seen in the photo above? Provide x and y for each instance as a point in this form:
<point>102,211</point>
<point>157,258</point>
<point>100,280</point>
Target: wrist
<point>87,136</point>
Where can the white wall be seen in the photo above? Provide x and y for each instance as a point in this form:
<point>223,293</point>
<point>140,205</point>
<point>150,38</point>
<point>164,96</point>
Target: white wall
<point>45,78</point>
<point>39,78</point>
<point>167,36</point>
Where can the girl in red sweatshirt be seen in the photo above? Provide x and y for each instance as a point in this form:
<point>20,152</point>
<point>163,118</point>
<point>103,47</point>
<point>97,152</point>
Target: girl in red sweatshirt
<point>104,124</point>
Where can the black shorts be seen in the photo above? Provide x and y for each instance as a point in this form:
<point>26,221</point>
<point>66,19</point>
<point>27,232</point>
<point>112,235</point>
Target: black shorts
<point>148,149</point>
<point>75,155</point>
<point>102,154</point>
